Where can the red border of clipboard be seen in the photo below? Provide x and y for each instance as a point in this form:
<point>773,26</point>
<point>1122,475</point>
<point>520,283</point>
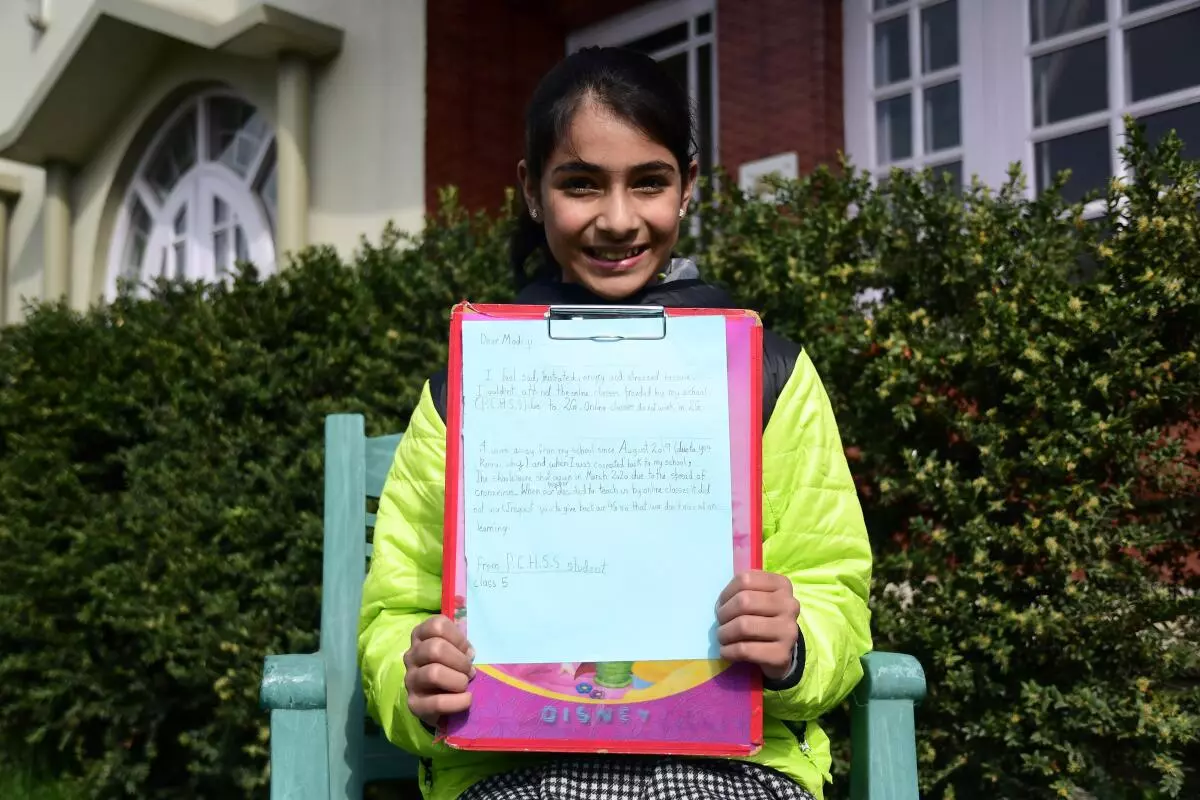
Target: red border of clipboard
<point>452,505</point>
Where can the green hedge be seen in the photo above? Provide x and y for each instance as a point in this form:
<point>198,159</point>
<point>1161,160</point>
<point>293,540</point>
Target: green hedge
<point>1012,410</point>
<point>160,481</point>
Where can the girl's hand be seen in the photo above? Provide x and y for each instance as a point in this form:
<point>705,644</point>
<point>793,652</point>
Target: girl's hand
<point>437,669</point>
<point>757,614</point>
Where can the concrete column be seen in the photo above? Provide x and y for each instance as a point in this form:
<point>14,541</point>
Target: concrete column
<point>56,230</point>
<point>3,259</point>
<point>294,89</point>
<point>10,192</point>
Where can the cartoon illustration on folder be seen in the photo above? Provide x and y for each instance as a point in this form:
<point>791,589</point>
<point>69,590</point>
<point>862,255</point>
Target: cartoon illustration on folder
<point>607,681</point>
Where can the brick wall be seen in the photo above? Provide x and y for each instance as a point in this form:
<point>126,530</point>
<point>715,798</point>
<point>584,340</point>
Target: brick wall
<point>483,60</point>
<point>574,14</point>
<point>779,80</point>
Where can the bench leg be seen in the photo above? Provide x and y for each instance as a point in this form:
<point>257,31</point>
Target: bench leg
<point>299,755</point>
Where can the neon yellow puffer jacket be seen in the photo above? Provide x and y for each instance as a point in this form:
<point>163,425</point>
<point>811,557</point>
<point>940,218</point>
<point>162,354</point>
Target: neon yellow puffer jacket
<point>813,533</point>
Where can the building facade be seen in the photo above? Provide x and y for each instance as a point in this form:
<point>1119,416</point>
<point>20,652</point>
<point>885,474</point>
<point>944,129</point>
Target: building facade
<point>147,137</point>
<point>173,137</point>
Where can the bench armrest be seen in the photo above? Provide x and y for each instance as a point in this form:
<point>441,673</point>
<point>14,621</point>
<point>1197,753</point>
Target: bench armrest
<point>890,676</point>
<point>293,682</point>
<point>883,762</point>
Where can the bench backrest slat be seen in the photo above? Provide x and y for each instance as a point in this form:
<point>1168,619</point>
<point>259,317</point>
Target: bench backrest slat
<point>380,451</point>
<point>356,468</point>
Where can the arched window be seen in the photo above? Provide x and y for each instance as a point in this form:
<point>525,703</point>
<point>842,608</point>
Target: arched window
<point>203,196</point>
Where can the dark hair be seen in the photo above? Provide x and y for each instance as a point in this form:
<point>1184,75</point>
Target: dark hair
<point>631,85</point>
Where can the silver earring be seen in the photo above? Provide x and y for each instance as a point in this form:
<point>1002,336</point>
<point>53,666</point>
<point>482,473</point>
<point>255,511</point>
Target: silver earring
<point>682,213</point>
<point>533,214</point>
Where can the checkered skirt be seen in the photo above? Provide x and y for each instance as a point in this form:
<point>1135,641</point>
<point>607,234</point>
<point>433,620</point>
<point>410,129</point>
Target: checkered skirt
<point>638,778</point>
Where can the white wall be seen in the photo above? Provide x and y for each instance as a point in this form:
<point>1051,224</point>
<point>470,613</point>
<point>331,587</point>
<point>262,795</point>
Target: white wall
<point>368,136</point>
<point>25,55</point>
<point>24,239</point>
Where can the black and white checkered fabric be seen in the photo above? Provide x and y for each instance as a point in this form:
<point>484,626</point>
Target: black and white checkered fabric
<point>639,778</point>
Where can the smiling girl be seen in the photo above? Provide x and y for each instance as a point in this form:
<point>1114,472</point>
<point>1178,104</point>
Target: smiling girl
<point>608,172</point>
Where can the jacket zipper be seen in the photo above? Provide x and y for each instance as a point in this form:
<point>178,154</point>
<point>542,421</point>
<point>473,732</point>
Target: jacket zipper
<point>427,763</point>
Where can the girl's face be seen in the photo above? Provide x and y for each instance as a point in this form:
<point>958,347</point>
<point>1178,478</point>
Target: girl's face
<point>610,200</point>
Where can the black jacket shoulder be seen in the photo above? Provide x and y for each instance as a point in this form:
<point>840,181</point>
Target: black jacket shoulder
<point>779,361</point>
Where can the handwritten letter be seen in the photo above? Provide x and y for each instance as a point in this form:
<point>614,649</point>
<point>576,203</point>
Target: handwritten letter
<point>597,493</point>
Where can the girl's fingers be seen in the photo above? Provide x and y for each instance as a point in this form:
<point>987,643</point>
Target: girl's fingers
<point>755,629</point>
<point>752,581</point>
<point>440,651</point>
<point>440,627</point>
<point>429,708</point>
<point>439,679</point>
<point>749,603</point>
<point>770,656</point>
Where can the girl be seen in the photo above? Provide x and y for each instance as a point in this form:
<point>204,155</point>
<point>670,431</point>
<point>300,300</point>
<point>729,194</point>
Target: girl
<point>608,173</point>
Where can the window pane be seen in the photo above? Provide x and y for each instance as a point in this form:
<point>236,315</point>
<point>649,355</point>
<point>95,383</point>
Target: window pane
<point>703,24</point>
<point>268,188</point>
<point>891,51</point>
<point>939,36</point>
<point>1050,18</point>
<point>140,225</point>
<point>1088,155</point>
<point>705,107</point>
<point>1185,122</point>
<point>180,224</point>
<point>951,168</point>
<point>1162,55</point>
<point>133,261</point>
<point>174,156</point>
<point>882,4</point>
<point>221,251</point>
<point>180,259</point>
<point>220,211</point>
<point>893,129</point>
<point>1070,83</point>
<point>241,249</point>
<point>1138,5</point>
<point>236,133</point>
<point>660,40</point>
<point>677,67</point>
<point>942,128</point>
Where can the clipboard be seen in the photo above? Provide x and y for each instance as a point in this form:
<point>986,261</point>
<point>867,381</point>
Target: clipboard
<point>698,707</point>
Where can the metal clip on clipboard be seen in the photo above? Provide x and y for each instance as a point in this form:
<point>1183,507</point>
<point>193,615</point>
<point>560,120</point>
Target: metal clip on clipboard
<point>606,323</point>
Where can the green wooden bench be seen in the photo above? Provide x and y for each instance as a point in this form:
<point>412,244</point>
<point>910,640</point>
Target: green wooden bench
<point>321,748</point>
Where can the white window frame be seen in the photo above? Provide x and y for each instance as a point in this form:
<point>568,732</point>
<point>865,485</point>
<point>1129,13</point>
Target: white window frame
<point>195,188</point>
<point>996,73</point>
<point>915,86</point>
<point>647,19</point>
<point>1114,27</point>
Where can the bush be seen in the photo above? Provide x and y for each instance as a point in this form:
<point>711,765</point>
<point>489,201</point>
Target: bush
<point>160,519</point>
<point>1016,408</point>
<point>1012,406</point>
